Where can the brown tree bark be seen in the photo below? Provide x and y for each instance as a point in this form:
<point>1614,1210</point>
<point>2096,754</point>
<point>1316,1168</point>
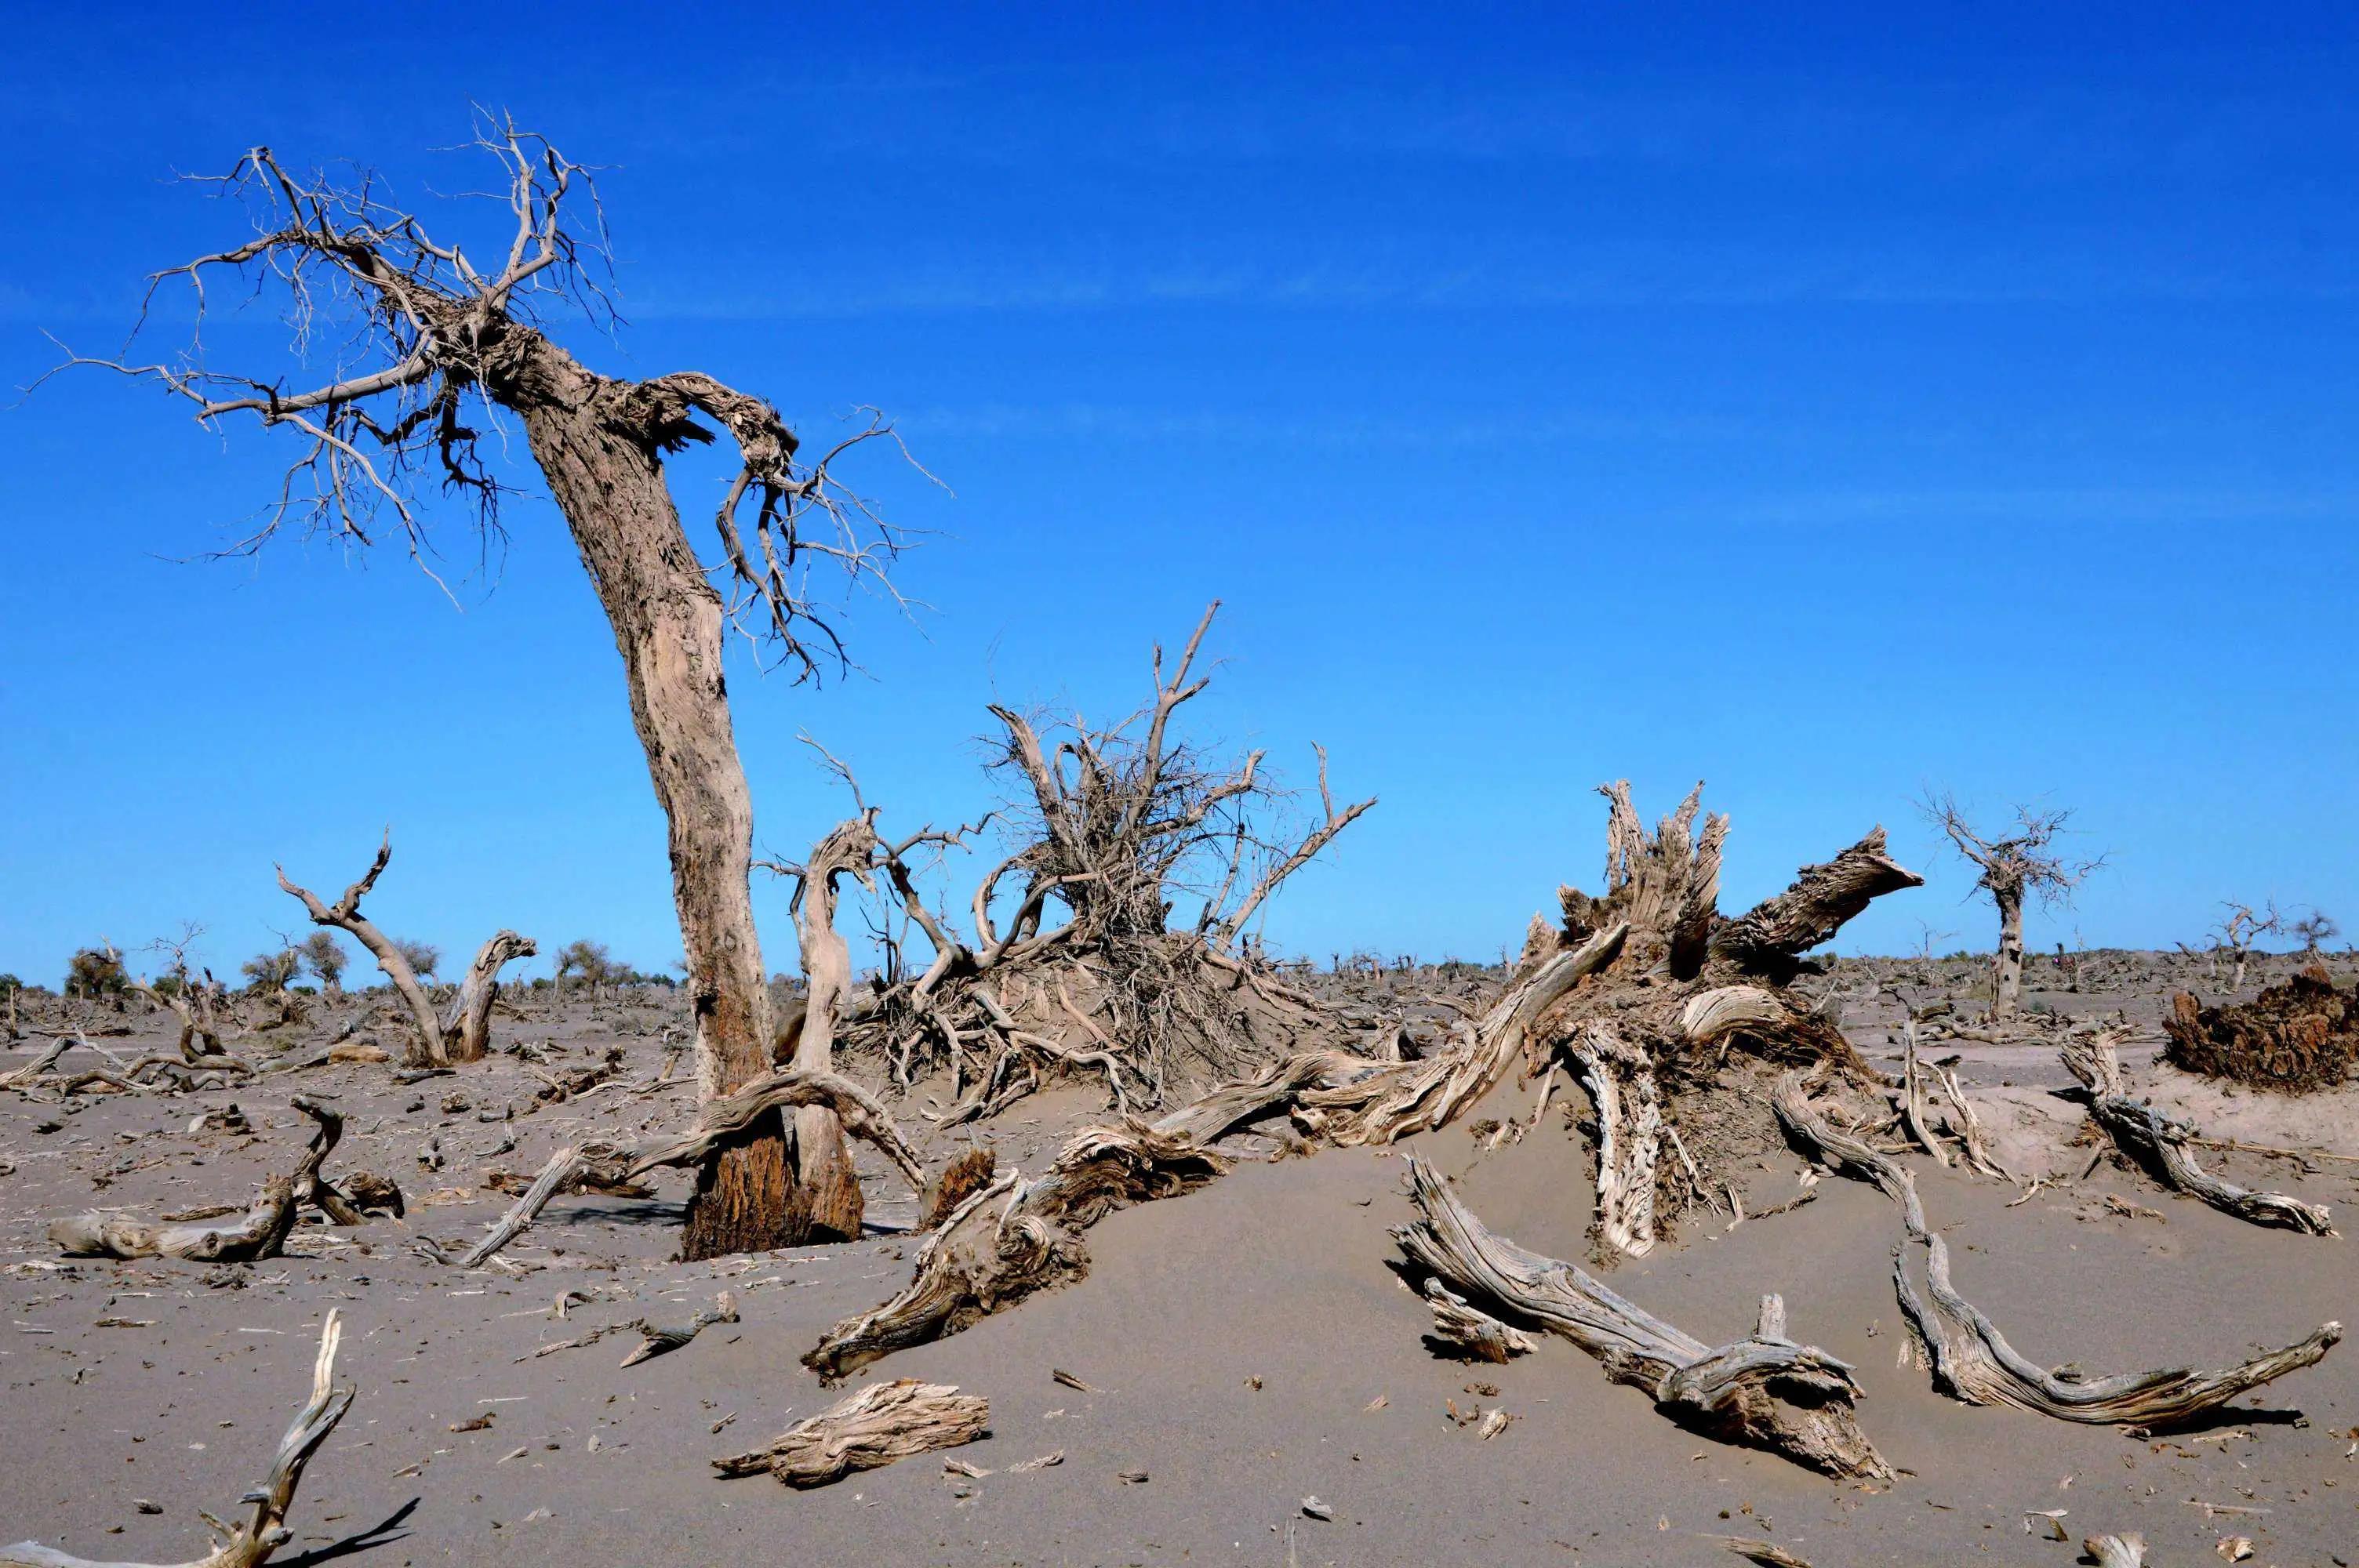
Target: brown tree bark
<point>600,443</point>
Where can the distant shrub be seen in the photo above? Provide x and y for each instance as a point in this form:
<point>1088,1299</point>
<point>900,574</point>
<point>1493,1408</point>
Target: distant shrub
<point>96,971</point>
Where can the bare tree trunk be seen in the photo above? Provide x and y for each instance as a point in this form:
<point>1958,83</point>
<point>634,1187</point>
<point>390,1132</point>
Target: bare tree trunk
<point>345,915</point>
<point>2007,968</point>
<point>467,1031</point>
<point>822,1162</point>
<point>605,471</point>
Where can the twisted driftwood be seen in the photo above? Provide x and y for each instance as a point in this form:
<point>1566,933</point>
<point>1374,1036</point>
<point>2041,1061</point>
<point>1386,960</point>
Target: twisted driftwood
<point>1471,1332</point>
<point>1763,1390</point>
<point>250,1541</point>
<point>1972,1361</point>
<point>1014,1237</point>
<point>2160,1144</point>
<point>261,1234</point>
<point>881,1423</point>
<point>1843,1152</point>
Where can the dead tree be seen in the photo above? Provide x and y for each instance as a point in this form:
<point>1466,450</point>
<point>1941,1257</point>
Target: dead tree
<point>2018,863</point>
<point>2239,929</point>
<point>464,1033</point>
<point>438,342</point>
<point>1094,958</point>
<point>191,996</point>
<point>2316,929</point>
<point>249,1542</point>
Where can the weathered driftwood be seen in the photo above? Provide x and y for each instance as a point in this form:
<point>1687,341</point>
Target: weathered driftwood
<point>1471,1332</point>
<point>662,1339</point>
<point>717,1123</point>
<point>1763,1390</point>
<point>24,1076</point>
<point>881,1423</point>
<point>1773,934</point>
<point>2159,1143</point>
<point>2125,1551</point>
<point>310,1186</point>
<point>1843,1152</point>
<point>1973,1362</point>
<point>1014,1237</point>
<point>261,1234</point>
<point>252,1540</point>
<point>467,1026</point>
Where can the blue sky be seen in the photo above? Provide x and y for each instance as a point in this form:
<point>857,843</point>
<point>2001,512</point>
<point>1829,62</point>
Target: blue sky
<point>1823,401</point>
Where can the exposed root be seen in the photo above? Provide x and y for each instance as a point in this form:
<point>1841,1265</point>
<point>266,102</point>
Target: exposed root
<point>2160,1144</point>
<point>252,1540</point>
<point>881,1423</point>
<point>1763,1390</point>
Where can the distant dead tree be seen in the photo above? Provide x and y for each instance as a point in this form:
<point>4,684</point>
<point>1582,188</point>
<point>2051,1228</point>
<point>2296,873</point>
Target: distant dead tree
<point>2019,862</point>
<point>2240,928</point>
<point>191,995</point>
<point>325,957</point>
<point>2316,929</point>
<point>434,344</point>
<point>463,1034</point>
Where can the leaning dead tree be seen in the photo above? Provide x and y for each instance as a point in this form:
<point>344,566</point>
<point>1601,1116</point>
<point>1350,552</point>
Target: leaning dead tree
<point>1763,1390</point>
<point>1115,938</point>
<point>249,1542</point>
<point>437,343</point>
<point>2019,862</point>
<point>2160,1144</point>
<point>463,1034</point>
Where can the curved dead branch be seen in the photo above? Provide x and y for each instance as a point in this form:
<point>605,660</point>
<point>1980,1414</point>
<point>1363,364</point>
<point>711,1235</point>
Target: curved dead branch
<point>1763,1390</point>
<point>1973,1362</point>
<point>2159,1143</point>
<point>252,1540</point>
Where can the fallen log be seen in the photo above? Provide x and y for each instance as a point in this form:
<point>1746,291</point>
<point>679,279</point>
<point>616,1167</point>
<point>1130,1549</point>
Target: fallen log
<point>881,1423</point>
<point>252,1540</point>
<point>2160,1144</point>
<point>1973,1362</point>
<point>261,1234</point>
<point>1014,1237</point>
<point>1763,1390</point>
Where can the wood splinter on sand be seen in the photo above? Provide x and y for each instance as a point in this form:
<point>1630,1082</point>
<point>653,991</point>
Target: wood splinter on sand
<point>251,1542</point>
<point>1763,1390</point>
<point>660,1341</point>
<point>2160,1144</point>
<point>881,1423</point>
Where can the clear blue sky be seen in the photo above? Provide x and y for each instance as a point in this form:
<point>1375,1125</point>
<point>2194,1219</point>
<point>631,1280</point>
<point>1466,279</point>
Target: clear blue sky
<point>1823,402</point>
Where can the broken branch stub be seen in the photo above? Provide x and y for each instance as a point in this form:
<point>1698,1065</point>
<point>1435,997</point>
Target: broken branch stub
<point>881,1423</point>
<point>1763,1390</point>
<point>252,1540</point>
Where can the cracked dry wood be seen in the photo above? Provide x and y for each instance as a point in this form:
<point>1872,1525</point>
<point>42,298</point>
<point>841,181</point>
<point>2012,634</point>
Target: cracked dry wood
<point>881,1423</point>
<point>1763,1390</point>
<point>1014,1237</point>
<point>1973,1362</point>
<point>2159,1143</point>
<point>249,1542</point>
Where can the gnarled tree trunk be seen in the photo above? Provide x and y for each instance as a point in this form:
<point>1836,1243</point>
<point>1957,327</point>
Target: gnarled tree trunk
<point>600,444</point>
<point>2007,968</point>
<point>467,1031</point>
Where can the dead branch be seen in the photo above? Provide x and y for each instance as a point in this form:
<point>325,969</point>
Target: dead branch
<point>2159,1143</point>
<point>881,1423</point>
<point>261,1234</point>
<point>663,1341</point>
<point>264,1530</point>
<point>1973,1362</point>
<point>1763,1390</point>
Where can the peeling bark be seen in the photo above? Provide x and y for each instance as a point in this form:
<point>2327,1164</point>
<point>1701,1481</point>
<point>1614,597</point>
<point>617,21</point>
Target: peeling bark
<point>881,1423</point>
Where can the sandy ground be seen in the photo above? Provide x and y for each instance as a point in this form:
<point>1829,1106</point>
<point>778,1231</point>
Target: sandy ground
<point>1234,1341</point>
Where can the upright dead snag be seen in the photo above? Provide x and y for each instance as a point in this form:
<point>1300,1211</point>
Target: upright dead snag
<point>2018,862</point>
<point>1973,1362</point>
<point>463,1035</point>
<point>2160,1144</point>
<point>250,1541</point>
<point>1146,978</point>
<point>437,343</point>
<point>1765,1391</point>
